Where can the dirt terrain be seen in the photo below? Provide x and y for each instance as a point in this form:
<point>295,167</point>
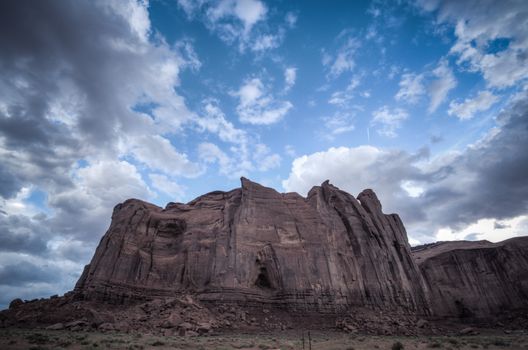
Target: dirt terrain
<point>47,339</point>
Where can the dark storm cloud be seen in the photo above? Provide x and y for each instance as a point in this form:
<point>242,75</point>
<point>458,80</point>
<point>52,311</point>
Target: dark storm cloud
<point>55,55</point>
<point>9,183</point>
<point>18,233</point>
<point>25,272</point>
<point>490,179</point>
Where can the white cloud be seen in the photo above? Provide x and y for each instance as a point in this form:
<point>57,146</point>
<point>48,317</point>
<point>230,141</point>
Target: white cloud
<point>388,120</point>
<point>343,97</point>
<point>486,229</point>
<point>110,182</point>
<point>440,87</point>
<point>158,153</point>
<point>256,106</point>
<point>291,19</point>
<point>83,212</point>
<point>467,109</point>
<point>343,60</point>
<point>478,26</point>
<point>266,42</point>
<point>168,186</point>
<point>340,122</point>
<point>234,21</point>
<point>290,76</point>
<point>411,88</point>
<point>228,166</point>
<point>250,12</point>
<point>136,13</point>
<point>265,161</point>
<point>412,188</point>
<point>346,167</point>
<point>243,160</point>
<point>18,204</point>
<point>290,150</point>
<point>215,122</point>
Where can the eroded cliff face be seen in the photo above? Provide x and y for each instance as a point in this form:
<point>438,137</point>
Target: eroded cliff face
<point>324,253</point>
<point>476,279</point>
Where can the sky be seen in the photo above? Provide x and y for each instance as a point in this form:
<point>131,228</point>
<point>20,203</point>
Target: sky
<point>423,101</point>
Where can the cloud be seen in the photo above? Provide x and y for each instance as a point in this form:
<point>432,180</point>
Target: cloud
<point>290,150</point>
<point>439,88</point>
<point>347,167</point>
<point>467,109</point>
<point>291,19</point>
<point>342,98</point>
<point>215,121</point>
<point>486,181</point>
<point>165,185</point>
<point>338,123</point>
<point>25,272</point>
<point>241,161</point>
<point>343,60</point>
<point>228,166</point>
<point>266,42</point>
<point>74,97</point>
<point>411,88</point>
<point>263,158</point>
<point>388,120</point>
<point>20,233</point>
<point>248,12</point>
<point>83,211</point>
<point>257,106</point>
<point>290,76</point>
<point>478,33</point>
<point>158,153</point>
<point>241,22</point>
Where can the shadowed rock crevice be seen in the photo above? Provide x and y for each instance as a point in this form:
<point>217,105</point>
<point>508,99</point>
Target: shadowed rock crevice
<point>263,280</point>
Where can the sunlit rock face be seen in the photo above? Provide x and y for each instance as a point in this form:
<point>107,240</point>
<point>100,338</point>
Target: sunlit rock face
<point>328,252</point>
<point>476,279</point>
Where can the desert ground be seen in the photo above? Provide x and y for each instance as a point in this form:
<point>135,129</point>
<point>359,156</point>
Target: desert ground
<point>47,339</point>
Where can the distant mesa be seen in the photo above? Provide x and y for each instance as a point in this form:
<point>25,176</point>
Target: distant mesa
<point>253,257</point>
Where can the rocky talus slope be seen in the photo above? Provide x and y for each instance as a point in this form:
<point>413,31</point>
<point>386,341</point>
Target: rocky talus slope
<point>256,258</point>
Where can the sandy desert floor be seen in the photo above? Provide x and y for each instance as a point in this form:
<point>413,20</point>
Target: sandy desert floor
<point>47,339</point>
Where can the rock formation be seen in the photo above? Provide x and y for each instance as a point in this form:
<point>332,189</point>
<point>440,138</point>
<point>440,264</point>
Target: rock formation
<point>253,257</point>
<point>325,253</point>
<point>476,279</point>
